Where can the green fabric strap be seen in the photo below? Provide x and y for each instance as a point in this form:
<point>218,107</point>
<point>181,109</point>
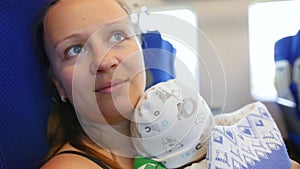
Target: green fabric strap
<point>145,163</point>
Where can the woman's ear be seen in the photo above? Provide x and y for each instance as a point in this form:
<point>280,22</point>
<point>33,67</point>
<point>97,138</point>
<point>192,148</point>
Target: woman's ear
<point>59,88</point>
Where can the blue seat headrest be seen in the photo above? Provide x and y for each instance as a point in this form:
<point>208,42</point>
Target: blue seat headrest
<point>159,56</point>
<point>24,107</point>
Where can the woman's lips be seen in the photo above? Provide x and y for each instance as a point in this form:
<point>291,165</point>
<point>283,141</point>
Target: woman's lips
<point>110,87</point>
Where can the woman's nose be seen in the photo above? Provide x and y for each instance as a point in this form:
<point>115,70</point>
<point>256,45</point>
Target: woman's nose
<point>104,64</point>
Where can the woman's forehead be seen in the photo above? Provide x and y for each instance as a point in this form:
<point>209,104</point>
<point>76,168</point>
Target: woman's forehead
<point>97,7</point>
<point>73,16</point>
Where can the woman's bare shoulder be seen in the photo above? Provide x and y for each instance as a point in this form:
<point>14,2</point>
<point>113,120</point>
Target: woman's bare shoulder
<point>295,165</point>
<point>70,161</point>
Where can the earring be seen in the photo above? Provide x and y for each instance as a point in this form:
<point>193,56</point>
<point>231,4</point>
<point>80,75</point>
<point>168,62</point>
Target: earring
<point>63,98</point>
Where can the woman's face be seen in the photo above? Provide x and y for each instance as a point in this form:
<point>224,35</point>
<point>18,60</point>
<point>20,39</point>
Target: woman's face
<point>95,57</point>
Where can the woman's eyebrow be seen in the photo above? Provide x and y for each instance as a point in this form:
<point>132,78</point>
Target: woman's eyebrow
<point>72,36</point>
<point>78,35</point>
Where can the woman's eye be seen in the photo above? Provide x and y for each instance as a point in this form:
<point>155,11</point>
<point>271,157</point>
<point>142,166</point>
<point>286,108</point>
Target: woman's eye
<point>117,37</point>
<point>74,50</point>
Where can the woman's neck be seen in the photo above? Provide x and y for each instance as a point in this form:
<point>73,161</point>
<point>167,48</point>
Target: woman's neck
<point>122,127</point>
<point>121,145</point>
<point>113,137</point>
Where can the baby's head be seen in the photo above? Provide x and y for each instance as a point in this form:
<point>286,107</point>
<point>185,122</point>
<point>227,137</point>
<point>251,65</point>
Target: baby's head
<point>171,124</point>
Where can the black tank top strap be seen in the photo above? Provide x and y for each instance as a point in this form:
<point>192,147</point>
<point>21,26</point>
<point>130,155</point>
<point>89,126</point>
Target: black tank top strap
<point>95,160</point>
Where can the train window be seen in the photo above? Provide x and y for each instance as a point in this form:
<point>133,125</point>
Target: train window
<point>179,27</point>
<point>268,22</point>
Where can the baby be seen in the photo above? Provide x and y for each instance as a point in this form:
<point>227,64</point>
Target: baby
<point>174,127</point>
<point>171,124</point>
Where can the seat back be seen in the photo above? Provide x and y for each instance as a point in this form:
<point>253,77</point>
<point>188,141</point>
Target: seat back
<point>24,105</point>
<point>159,56</point>
<point>287,80</point>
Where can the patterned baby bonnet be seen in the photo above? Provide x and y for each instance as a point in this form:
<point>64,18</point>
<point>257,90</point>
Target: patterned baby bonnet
<point>172,124</point>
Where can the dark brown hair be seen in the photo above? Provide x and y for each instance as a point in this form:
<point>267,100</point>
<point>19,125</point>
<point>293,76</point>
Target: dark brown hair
<point>63,125</point>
